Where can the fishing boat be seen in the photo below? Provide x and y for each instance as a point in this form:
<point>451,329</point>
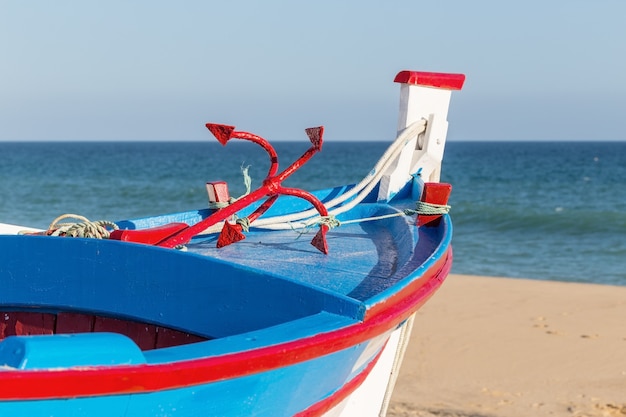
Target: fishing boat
<point>283,302</point>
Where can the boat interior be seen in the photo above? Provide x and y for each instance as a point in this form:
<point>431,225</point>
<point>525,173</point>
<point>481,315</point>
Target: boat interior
<point>247,293</point>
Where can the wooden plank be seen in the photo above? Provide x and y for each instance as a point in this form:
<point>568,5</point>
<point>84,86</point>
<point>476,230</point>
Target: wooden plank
<point>22,323</point>
<point>68,323</point>
<point>170,337</point>
<point>144,335</point>
<point>35,323</point>
<point>7,324</point>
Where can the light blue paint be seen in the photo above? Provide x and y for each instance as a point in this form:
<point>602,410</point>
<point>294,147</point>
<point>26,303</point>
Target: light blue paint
<point>282,392</point>
<point>69,350</point>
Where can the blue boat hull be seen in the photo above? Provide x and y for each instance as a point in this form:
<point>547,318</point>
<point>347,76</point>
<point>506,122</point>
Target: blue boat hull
<point>274,362</point>
<point>285,391</point>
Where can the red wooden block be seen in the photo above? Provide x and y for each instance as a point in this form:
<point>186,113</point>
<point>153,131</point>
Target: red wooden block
<point>431,79</point>
<point>435,193</point>
<point>217,191</point>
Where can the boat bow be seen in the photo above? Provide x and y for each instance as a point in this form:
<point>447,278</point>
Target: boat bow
<point>263,326</point>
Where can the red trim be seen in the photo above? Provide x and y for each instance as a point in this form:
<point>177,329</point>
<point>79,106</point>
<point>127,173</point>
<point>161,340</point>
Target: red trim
<point>70,383</point>
<point>431,79</point>
<point>414,295</point>
<point>435,193</point>
<point>342,393</point>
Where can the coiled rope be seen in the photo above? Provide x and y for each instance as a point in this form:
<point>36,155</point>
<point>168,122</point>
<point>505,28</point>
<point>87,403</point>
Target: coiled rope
<point>430,209</point>
<point>98,229</point>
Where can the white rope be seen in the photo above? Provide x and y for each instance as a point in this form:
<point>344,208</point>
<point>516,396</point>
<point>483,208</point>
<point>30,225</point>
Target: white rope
<point>422,208</point>
<point>98,229</point>
<point>359,192</point>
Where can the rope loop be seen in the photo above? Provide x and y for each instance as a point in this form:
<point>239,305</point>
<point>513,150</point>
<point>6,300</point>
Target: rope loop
<point>329,221</point>
<point>244,222</point>
<point>430,209</point>
<point>98,229</point>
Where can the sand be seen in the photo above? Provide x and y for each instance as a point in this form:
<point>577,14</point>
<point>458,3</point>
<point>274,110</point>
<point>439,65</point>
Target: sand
<point>486,347</point>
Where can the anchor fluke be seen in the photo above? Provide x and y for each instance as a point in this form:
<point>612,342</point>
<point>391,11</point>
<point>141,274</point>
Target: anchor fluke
<point>319,241</point>
<point>222,133</point>
<point>230,233</point>
<point>315,136</point>
<point>271,188</point>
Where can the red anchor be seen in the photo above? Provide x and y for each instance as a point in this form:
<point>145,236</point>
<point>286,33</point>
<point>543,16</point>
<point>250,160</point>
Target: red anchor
<point>271,188</point>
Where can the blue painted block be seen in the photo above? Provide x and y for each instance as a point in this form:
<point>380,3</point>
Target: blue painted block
<point>69,350</point>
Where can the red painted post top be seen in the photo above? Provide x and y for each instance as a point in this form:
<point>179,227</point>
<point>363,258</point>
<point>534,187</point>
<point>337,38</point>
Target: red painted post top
<point>431,79</point>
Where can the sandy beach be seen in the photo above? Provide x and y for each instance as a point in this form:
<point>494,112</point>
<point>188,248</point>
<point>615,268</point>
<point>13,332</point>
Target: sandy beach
<point>501,347</point>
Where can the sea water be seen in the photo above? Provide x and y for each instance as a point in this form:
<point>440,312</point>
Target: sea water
<point>541,210</point>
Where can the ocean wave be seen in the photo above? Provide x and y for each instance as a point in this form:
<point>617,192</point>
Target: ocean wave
<point>559,220</point>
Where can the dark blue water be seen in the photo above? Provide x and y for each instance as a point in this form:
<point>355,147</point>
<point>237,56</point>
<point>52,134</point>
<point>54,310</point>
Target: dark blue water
<point>554,211</point>
<point>539,210</point>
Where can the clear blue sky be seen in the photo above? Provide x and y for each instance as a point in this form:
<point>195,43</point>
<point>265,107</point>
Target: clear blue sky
<point>158,70</point>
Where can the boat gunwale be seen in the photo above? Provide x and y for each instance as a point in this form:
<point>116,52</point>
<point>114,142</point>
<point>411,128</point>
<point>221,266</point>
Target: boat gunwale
<point>136,379</point>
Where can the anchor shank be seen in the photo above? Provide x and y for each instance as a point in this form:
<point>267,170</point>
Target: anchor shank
<point>296,164</point>
<point>262,208</point>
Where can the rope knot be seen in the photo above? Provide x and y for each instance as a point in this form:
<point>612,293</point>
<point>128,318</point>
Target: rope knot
<point>330,221</point>
<point>244,222</point>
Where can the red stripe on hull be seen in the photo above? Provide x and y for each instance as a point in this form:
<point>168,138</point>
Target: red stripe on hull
<point>342,393</point>
<point>98,381</point>
<point>413,293</point>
